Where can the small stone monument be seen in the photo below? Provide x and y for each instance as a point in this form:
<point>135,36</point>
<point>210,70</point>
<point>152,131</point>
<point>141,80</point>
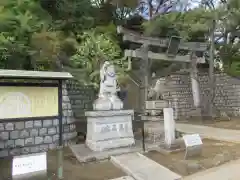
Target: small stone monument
<point>169,127</point>
<point>108,126</point>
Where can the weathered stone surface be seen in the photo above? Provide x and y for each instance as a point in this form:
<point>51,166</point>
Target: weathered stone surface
<point>42,131</point>
<point>10,144</point>
<point>25,150</point>
<point>52,131</point>
<point>29,141</point>
<point>38,124</point>
<point>34,149</point>
<point>29,124</point>
<point>55,122</point>
<point>55,138</point>
<point>19,142</point>
<point>19,125</point>
<point>4,135</point>
<point>43,147</point>
<point>47,123</point>
<point>1,145</point>
<point>38,140</point>
<point>14,134</point>
<point>9,126</point>
<point>4,153</point>
<point>48,139</point>
<point>33,132</point>
<point>66,128</point>
<point>15,152</point>
<point>72,127</point>
<point>24,134</point>
<point>1,127</point>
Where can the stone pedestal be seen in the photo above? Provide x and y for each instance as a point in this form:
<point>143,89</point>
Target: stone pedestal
<point>109,129</point>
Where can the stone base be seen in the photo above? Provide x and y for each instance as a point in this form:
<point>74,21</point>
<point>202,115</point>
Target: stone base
<point>109,144</point>
<point>85,155</point>
<point>109,129</point>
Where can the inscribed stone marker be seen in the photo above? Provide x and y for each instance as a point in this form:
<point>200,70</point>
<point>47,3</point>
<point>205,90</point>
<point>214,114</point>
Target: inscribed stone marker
<point>169,126</point>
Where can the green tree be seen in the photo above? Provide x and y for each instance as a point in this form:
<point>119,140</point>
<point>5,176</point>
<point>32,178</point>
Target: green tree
<point>92,51</point>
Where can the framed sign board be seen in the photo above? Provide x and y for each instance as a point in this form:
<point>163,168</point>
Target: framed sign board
<point>28,102</point>
<point>29,165</point>
<point>173,46</point>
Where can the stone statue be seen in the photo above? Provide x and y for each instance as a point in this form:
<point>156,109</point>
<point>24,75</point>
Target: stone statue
<point>108,80</point>
<point>107,97</point>
<point>158,90</point>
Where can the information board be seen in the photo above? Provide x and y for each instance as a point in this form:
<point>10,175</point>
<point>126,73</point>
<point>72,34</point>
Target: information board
<point>26,165</point>
<point>193,145</point>
<point>25,102</point>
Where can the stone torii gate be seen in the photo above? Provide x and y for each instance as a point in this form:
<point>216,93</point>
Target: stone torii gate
<point>173,45</point>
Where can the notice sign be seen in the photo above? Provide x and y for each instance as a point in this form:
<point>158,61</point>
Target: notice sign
<point>193,145</point>
<point>29,164</point>
<point>192,140</point>
<point>25,102</point>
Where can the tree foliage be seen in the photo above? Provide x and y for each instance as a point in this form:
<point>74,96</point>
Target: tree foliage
<point>80,34</point>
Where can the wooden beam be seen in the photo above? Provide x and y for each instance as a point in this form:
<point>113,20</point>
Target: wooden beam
<point>158,56</point>
<point>34,74</point>
<point>162,42</point>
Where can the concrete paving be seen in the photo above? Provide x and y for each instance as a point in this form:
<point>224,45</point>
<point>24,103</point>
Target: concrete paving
<point>124,178</point>
<point>228,171</point>
<point>210,132</point>
<point>142,168</point>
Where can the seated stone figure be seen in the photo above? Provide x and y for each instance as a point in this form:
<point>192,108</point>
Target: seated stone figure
<point>107,98</point>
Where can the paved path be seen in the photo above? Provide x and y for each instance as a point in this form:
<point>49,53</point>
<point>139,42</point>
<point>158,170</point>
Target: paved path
<point>211,132</point>
<point>228,171</point>
<point>141,167</point>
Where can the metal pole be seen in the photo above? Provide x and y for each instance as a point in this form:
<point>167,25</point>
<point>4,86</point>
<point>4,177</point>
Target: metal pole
<point>60,148</point>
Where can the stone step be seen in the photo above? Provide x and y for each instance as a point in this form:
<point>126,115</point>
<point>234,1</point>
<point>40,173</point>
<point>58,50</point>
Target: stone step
<point>124,178</point>
<point>142,168</point>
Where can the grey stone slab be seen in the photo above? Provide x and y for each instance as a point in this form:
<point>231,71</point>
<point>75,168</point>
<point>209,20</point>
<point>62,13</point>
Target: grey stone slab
<point>33,132</point>
<point>19,125</point>
<point>10,144</point>
<point>25,150</point>
<point>142,168</point>
<point>24,134</point>
<point>48,139</point>
<point>14,134</point>
<point>84,154</point>
<point>55,122</point>
<point>38,140</point>
<point>4,135</point>
<point>4,153</point>
<point>29,124</point>
<point>38,123</point>
<point>29,141</point>
<point>1,145</point>
<point>124,178</point>
<point>47,123</point>
<point>42,131</point>
<point>19,142</point>
<point>1,127</point>
<point>9,126</point>
<point>15,152</point>
<point>52,131</point>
